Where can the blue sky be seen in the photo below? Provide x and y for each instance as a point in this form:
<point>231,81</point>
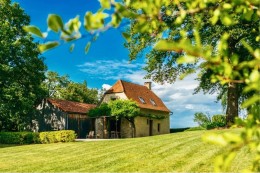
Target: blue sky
<point>107,61</point>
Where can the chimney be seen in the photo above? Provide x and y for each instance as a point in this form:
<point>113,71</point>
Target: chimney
<point>148,85</point>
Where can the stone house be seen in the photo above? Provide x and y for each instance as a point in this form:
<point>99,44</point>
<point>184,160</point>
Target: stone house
<point>55,114</point>
<point>149,104</point>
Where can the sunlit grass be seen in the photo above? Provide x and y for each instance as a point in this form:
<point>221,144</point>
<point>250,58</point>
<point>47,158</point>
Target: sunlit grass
<point>180,152</point>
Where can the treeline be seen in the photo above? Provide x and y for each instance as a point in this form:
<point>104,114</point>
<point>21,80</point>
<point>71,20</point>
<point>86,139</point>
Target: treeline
<point>61,87</point>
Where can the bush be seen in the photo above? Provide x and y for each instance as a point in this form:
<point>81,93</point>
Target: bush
<point>213,125</point>
<point>35,138</point>
<point>19,138</point>
<point>219,119</point>
<point>57,136</point>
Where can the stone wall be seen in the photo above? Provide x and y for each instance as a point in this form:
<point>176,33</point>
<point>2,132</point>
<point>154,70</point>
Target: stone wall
<point>164,123</point>
<point>142,125</point>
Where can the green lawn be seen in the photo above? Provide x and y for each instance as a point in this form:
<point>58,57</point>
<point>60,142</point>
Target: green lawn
<point>179,152</point>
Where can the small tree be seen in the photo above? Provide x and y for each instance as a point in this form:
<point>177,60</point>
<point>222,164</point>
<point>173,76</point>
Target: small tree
<point>127,109</point>
<point>202,119</point>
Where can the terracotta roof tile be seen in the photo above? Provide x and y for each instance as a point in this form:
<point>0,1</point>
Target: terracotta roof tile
<point>71,107</point>
<point>134,91</point>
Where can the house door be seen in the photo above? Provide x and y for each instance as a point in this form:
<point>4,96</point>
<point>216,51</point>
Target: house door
<point>150,127</point>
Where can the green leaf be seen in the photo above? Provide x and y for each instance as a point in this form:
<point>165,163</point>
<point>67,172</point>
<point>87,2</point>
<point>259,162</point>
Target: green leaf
<point>87,21</point>
<point>72,47</point>
<point>248,15</point>
<point>116,19</point>
<point>127,36</point>
<point>165,45</point>
<point>186,59</point>
<point>251,101</point>
<point>47,46</point>
<point>55,22</point>
<point>226,20</point>
<point>87,47</point>
<point>254,76</point>
<point>34,30</point>
<point>215,16</point>
<point>105,4</point>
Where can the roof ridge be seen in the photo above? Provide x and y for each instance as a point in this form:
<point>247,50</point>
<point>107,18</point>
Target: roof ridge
<point>132,83</point>
<point>121,83</point>
<point>54,99</point>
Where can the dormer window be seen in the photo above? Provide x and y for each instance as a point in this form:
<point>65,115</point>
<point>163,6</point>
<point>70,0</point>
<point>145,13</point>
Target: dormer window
<point>142,100</point>
<point>153,102</point>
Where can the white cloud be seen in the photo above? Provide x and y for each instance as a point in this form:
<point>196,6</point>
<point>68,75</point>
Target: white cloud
<point>189,106</point>
<point>106,86</point>
<point>110,69</point>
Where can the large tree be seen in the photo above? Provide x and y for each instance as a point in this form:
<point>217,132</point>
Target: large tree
<point>163,66</point>
<point>21,69</point>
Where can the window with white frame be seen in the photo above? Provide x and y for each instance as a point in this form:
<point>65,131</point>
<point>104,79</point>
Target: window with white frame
<point>142,100</point>
<point>153,102</point>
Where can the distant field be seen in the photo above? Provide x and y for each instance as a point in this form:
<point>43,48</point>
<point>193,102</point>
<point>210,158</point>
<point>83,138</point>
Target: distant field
<point>178,152</point>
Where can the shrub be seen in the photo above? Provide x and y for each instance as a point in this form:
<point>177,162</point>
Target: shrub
<point>219,119</point>
<point>19,138</point>
<point>57,136</point>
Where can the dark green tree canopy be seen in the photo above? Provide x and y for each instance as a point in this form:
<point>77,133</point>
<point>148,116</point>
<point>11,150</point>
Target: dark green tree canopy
<point>21,69</point>
<point>61,87</point>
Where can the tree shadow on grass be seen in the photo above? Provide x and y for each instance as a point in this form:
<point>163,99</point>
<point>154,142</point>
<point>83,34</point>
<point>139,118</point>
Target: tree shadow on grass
<point>8,145</point>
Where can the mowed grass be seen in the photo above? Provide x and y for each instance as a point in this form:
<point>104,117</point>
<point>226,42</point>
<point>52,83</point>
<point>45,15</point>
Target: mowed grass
<point>179,152</point>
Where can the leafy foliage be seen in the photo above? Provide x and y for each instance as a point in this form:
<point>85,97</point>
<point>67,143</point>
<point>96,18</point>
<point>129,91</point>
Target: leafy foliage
<point>208,122</point>
<point>202,119</point>
<point>19,138</point>
<point>21,70</point>
<point>61,87</point>
<point>57,136</point>
<point>101,110</point>
<point>124,109</point>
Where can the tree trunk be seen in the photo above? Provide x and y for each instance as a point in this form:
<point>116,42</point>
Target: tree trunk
<point>134,130</point>
<point>132,122</point>
<point>232,104</point>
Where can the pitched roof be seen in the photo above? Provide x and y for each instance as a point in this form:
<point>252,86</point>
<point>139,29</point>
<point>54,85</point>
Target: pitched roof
<point>135,91</point>
<point>71,107</point>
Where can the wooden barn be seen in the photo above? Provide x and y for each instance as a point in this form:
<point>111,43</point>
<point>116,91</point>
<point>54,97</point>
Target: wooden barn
<point>57,114</point>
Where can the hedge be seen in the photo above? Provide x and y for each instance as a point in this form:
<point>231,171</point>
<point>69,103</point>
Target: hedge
<point>57,136</point>
<point>35,138</point>
<point>19,138</point>
<point>175,130</point>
